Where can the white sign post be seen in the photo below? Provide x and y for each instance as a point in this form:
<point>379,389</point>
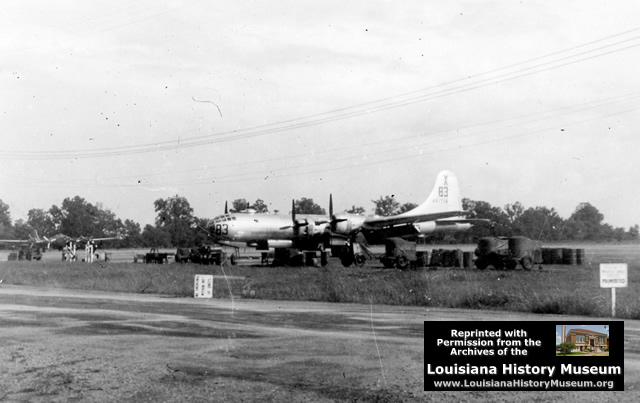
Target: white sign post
<point>203,286</point>
<point>613,275</point>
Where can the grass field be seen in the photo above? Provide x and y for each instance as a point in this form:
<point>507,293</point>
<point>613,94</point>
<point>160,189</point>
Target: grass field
<point>573,290</point>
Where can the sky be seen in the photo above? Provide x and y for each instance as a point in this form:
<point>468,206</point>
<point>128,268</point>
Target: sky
<point>126,102</point>
<point>595,328</point>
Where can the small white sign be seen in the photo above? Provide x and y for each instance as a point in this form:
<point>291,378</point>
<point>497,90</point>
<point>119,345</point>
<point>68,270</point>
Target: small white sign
<point>203,286</point>
<point>613,275</point>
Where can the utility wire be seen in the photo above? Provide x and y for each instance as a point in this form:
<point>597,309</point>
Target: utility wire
<point>376,106</point>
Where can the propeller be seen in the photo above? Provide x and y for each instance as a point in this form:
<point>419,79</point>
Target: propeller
<point>295,223</point>
<point>333,220</point>
<point>226,209</point>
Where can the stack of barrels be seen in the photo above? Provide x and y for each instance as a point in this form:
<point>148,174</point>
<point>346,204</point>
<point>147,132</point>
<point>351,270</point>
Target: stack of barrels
<point>565,256</point>
<point>447,258</point>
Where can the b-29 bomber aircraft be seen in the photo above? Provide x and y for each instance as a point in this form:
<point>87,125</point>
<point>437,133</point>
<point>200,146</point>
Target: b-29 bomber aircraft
<point>265,231</point>
<point>441,211</point>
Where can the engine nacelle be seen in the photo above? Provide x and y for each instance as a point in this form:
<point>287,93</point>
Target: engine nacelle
<point>427,227</point>
<point>455,227</point>
<point>304,228</point>
<point>343,227</point>
<point>346,223</point>
<point>279,243</point>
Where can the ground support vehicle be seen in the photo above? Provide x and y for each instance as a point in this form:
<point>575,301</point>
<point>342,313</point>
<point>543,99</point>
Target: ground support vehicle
<point>355,250</point>
<point>296,257</point>
<point>156,257</point>
<point>183,255</point>
<point>210,255</point>
<point>501,253</point>
<point>203,255</point>
<point>25,253</point>
<point>399,253</point>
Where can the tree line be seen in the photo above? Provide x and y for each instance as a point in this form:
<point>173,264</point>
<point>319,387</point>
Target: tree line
<point>176,225</point>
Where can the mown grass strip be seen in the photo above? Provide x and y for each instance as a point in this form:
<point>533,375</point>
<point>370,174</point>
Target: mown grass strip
<point>564,290</point>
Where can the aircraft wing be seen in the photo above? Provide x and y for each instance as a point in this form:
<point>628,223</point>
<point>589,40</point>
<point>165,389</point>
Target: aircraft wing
<point>25,241</point>
<point>374,223</point>
<point>89,239</point>
<point>101,239</point>
<point>465,221</point>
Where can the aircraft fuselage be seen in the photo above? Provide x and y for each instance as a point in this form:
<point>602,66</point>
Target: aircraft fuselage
<point>271,230</point>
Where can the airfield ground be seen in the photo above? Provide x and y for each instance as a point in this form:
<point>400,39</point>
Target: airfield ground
<point>154,343</point>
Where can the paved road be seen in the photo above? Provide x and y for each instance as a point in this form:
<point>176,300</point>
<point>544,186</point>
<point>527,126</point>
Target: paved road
<point>65,345</point>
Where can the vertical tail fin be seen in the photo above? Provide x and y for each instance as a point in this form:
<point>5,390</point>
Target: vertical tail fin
<point>444,197</point>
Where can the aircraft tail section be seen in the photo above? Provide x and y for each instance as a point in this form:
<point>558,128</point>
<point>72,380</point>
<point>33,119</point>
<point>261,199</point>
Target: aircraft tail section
<point>444,197</point>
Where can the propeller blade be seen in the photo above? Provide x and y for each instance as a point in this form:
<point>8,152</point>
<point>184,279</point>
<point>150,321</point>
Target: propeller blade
<point>330,205</point>
<point>226,209</point>
<point>293,210</point>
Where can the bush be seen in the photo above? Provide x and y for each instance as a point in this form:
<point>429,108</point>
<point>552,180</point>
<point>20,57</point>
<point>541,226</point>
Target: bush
<point>566,347</point>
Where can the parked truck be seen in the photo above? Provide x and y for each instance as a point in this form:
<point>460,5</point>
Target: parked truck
<point>399,253</point>
<point>507,253</point>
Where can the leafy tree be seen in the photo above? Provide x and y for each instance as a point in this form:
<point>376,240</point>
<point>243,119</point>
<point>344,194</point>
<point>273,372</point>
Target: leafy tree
<point>260,207</point>
<point>633,232</point>
<point>6,230</point>
<point>539,223</point>
<point>585,223</point>
<point>132,237</point>
<point>307,206</point>
<point>155,237</point>
<point>201,231</point>
<point>107,222</point>
<point>356,210</point>
<point>566,347</point>
<point>239,205</point>
<point>76,217</point>
<point>514,211</point>
<point>21,230</point>
<point>481,209</point>
<point>406,207</point>
<point>386,206</point>
<point>174,216</point>
<point>41,221</point>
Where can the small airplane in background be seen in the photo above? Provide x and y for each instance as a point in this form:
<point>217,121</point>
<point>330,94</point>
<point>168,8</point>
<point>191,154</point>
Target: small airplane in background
<point>34,240</point>
<point>441,211</point>
<point>28,249</point>
<point>69,245</point>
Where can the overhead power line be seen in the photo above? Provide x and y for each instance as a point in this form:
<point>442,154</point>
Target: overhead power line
<point>525,68</point>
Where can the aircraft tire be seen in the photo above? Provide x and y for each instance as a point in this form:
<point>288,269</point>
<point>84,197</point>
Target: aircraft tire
<point>360,259</point>
<point>387,263</point>
<point>481,264</point>
<point>402,262</point>
<point>527,263</point>
<point>497,262</point>
<point>233,260</point>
